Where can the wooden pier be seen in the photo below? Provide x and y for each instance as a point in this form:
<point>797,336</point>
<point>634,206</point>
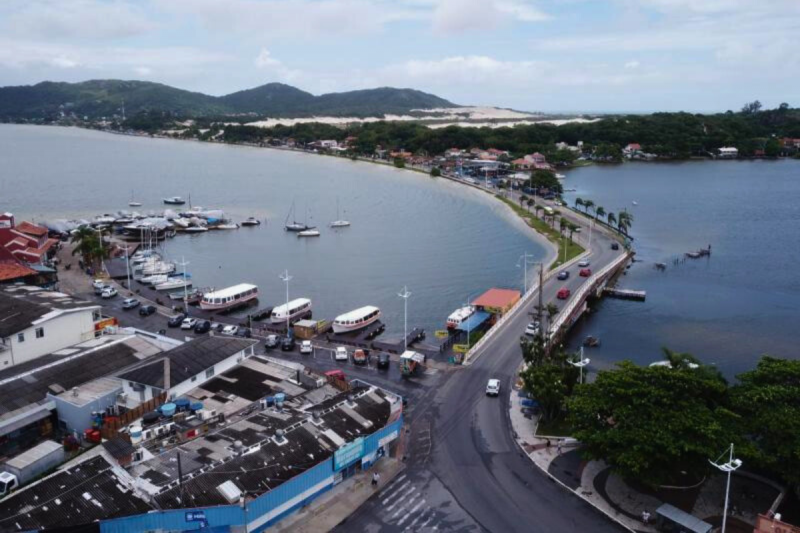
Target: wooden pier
<point>625,294</point>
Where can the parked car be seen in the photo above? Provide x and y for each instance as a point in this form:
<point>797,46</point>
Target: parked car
<point>335,374</point>
<point>341,354</point>
<point>563,293</point>
<point>230,330</point>
<point>614,246</point>
<point>360,357</point>
<point>244,333</point>
<point>176,320</point>
<point>533,329</point>
<point>130,303</point>
<point>583,264</point>
<point>147,310</point>
<point>384,360</point>
<point>108,292</point>
<point>563,275</point>
<point>493,387</point>
<point>306,347</point>
<point>98,284</point>
<point>585,272</point>
<point>218,327</point>
<point>273,341</point>
<point>202,326</point>
<point>188,323</point>
<point>287,345</point>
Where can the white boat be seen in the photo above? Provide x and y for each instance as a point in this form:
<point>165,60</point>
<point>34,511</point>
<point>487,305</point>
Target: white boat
<point>227,226</point>
<point>459,315</point>
<point>172,284</point>
<point>251,221</point>
<point>174,200</point>
<point>294,225</point>
<point>154,279</point>
<point>308,233</point>
<point>196,229</point>
<point>158,268</point>
<point>561,176</point>
<point>104,219</point>
<point>133,202</point>
<point>296,308</point>
<point>228,298</point>
<point>180,223</point>
<point>635,202</point>
<point>357,319</point>
<point>339,222</point>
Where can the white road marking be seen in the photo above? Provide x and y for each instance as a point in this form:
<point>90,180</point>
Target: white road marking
<point>403,497</point>
<point>403,508</point>
<point>427,522</point>
<point>395,492</point>
<point>414,523</point>
<point>412,511</point>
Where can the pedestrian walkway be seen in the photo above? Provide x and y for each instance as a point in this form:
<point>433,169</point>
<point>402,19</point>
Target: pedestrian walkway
<point>335,506</point>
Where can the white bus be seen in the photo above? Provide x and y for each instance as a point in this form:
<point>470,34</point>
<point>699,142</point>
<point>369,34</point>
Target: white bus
<point>292,310</point>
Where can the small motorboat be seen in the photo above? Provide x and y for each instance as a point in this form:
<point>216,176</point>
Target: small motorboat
<point>591,341</point>
<point>251,221</point>
<point>172,284</point>
<point>635,202</point>
<point>174,200</point>
<point>308,233</point>
<point>227,226</point>
<point>196,229</point>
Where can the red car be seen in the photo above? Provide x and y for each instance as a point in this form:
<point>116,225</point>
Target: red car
<point>585,272</point>
<point>563,294</point>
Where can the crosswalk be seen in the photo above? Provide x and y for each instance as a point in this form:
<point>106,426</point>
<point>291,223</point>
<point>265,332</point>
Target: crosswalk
<point>404,505</point>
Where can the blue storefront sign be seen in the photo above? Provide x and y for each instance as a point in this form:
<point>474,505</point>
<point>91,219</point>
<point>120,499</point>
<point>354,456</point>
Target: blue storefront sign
<point>348,454</point>
<point>196,516</point>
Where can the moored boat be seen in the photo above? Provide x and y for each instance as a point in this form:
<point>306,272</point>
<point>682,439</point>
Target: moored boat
<point>196,229</point>
<point>229,298</point>
<point>173,284</point>
<point>356,319</point>
<point>297,308</point>
<point>174,200</point>
<point>251,221</point>
<point>459,315</point>
<point>308,233</point>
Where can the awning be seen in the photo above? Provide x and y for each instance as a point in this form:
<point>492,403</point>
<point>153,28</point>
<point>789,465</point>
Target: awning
<point>683,519</point>
<point>473,322</point>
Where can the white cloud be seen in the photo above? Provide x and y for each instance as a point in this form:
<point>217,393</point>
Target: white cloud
<point>265,59</point>
<point>632,64</point>
<point>63,62</point>
<point>143,71</point>
<point>465,15</point>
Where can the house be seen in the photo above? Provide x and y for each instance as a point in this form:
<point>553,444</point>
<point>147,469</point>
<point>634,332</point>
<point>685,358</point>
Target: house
<point>401,154</point>
<point>497,153</point>
<point>535,161</point>
<point>728,152</point>
<point>185,367</point>
<point>454,153</point>
<point>497,301</point>
<point>12,270</point>
<point>632,148</point>
<point>35,322</point>
<point>27,242</point>
<point>324,144</point>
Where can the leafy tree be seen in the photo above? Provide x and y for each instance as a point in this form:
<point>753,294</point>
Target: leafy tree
<point>751,108</point>
<point>530,203</point>
<point>436,172</point>
<point>533,350</point>
<point>399,162</point>
<point>772,148</point>
<point>522,199</point>
<point>599,212</point>
<point>768,400</point>
<point>572,229</point>
<point>587,204</point>
<point>612,219</point>
<point>545,179</point>
<point>549,386</point>
<point>651,423</point>
<point>578,202</point>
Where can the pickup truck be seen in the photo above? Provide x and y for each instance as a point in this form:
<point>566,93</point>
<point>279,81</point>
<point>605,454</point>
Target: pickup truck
<point>360,357</point>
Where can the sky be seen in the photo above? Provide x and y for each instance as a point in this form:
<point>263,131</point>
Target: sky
<point>531,55</point>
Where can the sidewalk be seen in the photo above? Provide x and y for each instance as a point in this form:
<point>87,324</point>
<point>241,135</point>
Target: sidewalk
<point>333,507</point>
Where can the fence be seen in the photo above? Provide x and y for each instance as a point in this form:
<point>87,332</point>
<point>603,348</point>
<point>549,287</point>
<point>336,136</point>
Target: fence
<point>111,426</point>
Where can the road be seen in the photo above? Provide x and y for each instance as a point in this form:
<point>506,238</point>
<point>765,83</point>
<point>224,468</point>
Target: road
<point>464,462</point>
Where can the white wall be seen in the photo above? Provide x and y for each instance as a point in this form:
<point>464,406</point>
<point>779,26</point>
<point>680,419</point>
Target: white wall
<point>60,331</point>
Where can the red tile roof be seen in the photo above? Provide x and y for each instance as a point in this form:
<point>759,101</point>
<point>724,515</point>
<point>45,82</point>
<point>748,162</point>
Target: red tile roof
<point>31,229</point>
<point>497,298</point>
<point>12,268</point>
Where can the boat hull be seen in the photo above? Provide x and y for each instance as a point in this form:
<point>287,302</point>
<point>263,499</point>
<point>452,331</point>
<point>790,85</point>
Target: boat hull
<point>340,328</point>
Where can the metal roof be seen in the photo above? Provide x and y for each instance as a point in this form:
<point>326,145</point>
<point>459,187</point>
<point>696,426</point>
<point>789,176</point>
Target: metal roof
<point>477,319</point>
<point>685,520</point>
<point>356,314</point>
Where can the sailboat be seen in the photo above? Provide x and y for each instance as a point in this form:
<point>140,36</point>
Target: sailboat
<point>339,223</point>
<point>294,225</point>
<point>133,202</point>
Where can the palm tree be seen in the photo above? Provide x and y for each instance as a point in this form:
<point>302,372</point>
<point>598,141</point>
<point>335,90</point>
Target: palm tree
<point>588,204</point>
<point>571,227</point>
<point>624,222</point>
<point>552,310</point>
<point>578,201</point>
<point>530,203</point>
<point>563,224</point>
<point>522,199</point>
<point>537,208</point>
<point>599,212</point>
<point>680,360</point>
<point>612,219</point>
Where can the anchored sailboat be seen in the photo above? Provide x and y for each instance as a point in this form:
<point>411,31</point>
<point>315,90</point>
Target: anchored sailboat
<point>339,222</point>
<point>294,225</point>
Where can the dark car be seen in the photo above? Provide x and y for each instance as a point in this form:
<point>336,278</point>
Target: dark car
<point>287,345</point>
<point>563,275</point>
<point>203,326</point>
<point>614,246</point>
<point>147,310</point>
<point>383,360</point>
<point>273,341</point>
<point>176,320</point>
<point>244,332</point>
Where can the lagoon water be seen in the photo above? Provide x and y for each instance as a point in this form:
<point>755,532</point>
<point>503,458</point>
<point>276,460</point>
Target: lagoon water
<point>443,240</point>
<point>742,302</point>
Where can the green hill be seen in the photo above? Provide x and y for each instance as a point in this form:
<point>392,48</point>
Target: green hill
<point>105,98</point>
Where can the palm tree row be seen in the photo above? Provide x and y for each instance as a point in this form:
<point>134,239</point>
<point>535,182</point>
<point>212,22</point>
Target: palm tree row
<point>622,222</point>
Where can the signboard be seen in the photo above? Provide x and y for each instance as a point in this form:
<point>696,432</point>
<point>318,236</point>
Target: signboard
<point>196,516</point>
<point>100,325</point>
<point>460,348</point>
<point>387,439</point>
<point>441,333</point>
<point>348,454</point>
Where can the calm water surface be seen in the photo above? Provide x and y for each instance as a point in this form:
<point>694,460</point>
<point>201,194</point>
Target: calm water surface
<point>729,309</point>
<point>445,241</point>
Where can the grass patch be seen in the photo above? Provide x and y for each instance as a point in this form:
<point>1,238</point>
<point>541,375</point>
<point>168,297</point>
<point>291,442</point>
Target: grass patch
<point>573,249</point>
<point>555,428</point>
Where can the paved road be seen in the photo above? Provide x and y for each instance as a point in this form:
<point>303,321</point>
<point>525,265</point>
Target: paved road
<point>462,447</point>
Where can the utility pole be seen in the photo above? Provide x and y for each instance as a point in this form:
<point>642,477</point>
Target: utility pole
<point>286,278</point>
<point>405,295</point>
<point>128,266</point>
<point>183,263</point>
<point>524,260</point>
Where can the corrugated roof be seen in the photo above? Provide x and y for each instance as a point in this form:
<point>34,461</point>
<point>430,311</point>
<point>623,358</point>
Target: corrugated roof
<point>17,314</point>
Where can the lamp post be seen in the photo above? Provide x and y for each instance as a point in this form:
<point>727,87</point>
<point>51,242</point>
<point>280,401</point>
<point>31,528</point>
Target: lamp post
<point>524,260</point>
<point>128,266</point>
<point>183,263</point>
<point>405,295</point>
<point>731,466</point>
<point>580,363</point>
<point>286,278</point>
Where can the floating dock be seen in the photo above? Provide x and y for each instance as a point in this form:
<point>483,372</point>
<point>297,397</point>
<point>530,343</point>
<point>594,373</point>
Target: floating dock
<point>397,346</point>
<point>625,294</point>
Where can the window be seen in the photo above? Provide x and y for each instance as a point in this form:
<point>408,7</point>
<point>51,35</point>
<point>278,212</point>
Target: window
<point>20,337</point>
<point>210,372</point>
<point>39,333</point>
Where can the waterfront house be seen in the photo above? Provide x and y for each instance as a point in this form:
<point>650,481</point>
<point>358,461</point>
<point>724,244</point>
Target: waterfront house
<point>12,270</point>
<point>535,161</point>
<point>401,154</point>
<point>632,148</point>
<point>28,242</point>
<point>728,152</point>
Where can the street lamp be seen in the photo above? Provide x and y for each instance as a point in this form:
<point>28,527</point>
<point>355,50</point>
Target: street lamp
<point>524,260</point>
<point>580,363</point>
<point>183,263</point>
<point>731,466</point>
<point>405,295</point>
<point>286,278</point>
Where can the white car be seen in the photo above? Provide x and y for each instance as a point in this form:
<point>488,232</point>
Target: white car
<point>493,387</point>
<point>98,284</point>
<point>188,323</point>
<point>532,329</point>
<point>341,354</point>
<point>583,264</point>
<point>108,292</point>
<point>305,347</point>
<point>230,330</point>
